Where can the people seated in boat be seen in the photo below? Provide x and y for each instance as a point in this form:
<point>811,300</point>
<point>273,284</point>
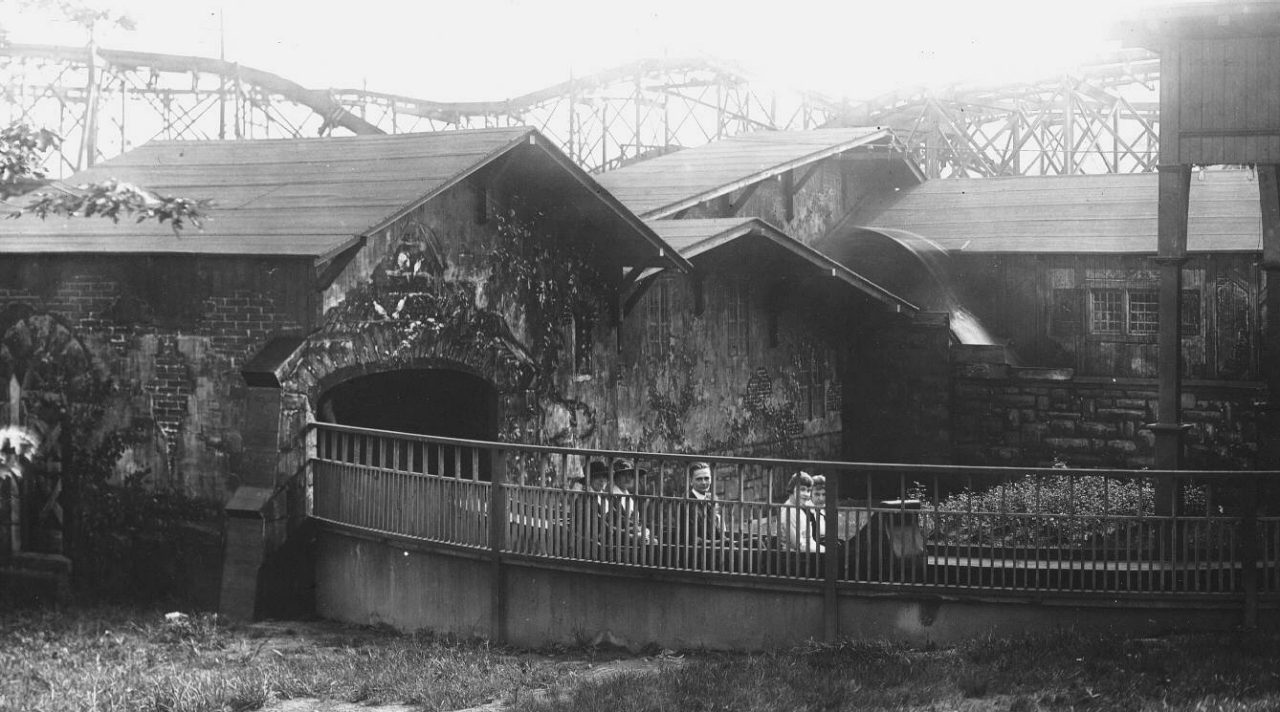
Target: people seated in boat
<point>819,500</point>
<point>699,522</point>
<point>608,515</point>
<point>629,515</point>
<point>799,521</point>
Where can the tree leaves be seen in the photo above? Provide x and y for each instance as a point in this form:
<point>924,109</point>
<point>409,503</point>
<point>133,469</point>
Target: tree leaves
<point>22,150</point>
<point>115,199</point>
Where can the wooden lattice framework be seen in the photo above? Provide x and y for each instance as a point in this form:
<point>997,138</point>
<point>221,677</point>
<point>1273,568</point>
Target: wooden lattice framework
<point>1103,118</point>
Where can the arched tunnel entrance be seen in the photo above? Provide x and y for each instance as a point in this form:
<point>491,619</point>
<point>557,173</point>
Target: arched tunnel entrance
<point>438,401</point>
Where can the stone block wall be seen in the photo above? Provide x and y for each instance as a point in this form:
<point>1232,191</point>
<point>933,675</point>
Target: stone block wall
<point>1005,415</point>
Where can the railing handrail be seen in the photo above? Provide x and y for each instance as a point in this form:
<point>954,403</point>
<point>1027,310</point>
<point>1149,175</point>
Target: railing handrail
<point>846,465</point>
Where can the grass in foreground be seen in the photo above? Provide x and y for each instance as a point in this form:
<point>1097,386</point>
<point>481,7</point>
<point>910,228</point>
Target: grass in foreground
<point>109,660</point>
<point>1058,672</point>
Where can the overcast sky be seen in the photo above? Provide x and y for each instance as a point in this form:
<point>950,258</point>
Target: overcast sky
<point>495,49</point>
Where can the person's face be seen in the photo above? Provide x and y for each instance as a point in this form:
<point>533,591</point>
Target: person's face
<point>626,482</point>
<point>598,484</point>
<point>702,480</point>
<point>804,493</point>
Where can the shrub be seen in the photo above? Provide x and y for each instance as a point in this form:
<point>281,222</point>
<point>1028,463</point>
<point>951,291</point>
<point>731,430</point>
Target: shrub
<point>1048,510</point>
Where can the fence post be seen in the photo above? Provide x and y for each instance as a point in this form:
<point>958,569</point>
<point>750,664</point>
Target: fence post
<point>831,554</point>
<point>310,453</point>
<point>1249,550</point>
<point>498,519</point>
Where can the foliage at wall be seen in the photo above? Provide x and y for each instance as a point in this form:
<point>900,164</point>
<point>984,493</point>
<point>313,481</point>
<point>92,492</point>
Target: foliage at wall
<point>553,279</point>
<point>668,405</point>
<point>766,420</point>
<point>66,393</point>
<point>516,302</point>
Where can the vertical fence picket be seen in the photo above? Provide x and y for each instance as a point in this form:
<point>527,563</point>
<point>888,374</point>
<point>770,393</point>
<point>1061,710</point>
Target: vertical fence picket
<point>1105,537</point>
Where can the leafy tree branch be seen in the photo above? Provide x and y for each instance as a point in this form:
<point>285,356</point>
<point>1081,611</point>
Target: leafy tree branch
<point>22,150</point>
<point>114,199</point>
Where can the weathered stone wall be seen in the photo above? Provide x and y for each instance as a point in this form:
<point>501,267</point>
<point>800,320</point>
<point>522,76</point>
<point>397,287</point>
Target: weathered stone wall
<point>778,396</point>
<point>1030,416</point>
<point>692,395</point>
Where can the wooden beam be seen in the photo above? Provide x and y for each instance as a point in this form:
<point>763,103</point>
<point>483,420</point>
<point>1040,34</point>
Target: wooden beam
<point>788,196</point>
<point>1269,199</point>
<point>1171,224</point>
<point>747,192</point>
<point>808,176</point>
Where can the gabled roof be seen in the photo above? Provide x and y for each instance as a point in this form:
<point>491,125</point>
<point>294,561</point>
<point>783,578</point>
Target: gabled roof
<point>660,187</point>
<point>1070,214</point>
<point>694,237</point>
<point>310,197</point>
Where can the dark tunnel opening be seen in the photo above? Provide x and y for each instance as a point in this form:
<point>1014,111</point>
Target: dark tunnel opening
<point>439,402</point>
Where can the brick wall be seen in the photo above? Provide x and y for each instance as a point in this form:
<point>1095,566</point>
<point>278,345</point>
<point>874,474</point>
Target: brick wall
<point>173,335</point>
<point>1028,416</point>
<point>239,322</point>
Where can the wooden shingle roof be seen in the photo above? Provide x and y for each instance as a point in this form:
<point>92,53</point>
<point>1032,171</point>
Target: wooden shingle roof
<point>310,197</point>
<point>694,237</point>
<point>1070,214</point>
<point>660,187</point>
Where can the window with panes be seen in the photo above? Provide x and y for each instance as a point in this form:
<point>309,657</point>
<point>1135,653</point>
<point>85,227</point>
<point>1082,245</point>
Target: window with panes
<point>657,323</point>
<point>737,319</point>
<point>812,383</point>
<point>1135,311</point>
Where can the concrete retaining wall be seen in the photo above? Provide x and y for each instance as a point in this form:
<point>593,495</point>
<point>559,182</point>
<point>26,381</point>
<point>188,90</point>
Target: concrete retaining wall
<point>409,586</point>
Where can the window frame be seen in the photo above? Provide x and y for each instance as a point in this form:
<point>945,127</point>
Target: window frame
<point>737,319</point>
<point>658,317</point>
<point>1127,331</point>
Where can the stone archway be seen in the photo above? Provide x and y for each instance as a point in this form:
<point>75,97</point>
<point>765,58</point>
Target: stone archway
<point>47,372</point>
<point>324,361</point>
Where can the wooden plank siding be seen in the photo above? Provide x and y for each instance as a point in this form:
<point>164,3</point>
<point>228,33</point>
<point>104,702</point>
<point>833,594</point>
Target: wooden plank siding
<point>1014,297</point>
<point>1221,100</point>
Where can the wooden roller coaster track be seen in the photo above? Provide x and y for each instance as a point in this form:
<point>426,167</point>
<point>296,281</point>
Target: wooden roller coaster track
<point>1099,119</point>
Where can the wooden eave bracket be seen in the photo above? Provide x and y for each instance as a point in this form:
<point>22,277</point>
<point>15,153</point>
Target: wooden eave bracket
<point>727,207</point>
<point>327,271</point>
<point>798,183</point>
<point>633,287</point>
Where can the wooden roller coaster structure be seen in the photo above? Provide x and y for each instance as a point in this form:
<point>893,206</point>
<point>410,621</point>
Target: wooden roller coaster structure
<point>1102,118</point>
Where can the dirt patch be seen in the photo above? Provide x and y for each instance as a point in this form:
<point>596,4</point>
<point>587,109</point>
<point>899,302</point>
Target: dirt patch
<point>286,637</point>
